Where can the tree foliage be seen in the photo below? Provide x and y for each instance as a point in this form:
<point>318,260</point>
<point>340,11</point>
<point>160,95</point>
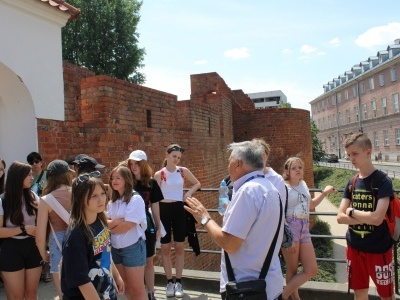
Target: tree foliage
<point>317,146</point>
<point>104,38</point>
<point>285,105</point>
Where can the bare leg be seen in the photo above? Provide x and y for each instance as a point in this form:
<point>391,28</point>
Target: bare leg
<point>149,274</point>
<point>179,258</point>
<point>166,259</point>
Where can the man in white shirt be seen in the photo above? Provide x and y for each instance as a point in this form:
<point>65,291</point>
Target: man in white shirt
<point>253,212</point>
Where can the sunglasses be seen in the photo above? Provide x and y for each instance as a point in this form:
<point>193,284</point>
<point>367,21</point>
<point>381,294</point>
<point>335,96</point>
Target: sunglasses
<point>85,177</point>
<point>34,162</point>
<point>175,148</point>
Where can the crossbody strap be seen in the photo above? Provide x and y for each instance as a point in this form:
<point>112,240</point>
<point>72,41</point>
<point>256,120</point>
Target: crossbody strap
<point>57,207</point>
<point>267,262</point>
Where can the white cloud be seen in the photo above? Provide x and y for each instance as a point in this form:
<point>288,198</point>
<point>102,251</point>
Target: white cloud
<point>335,42</point>
<point>237,53</point>
<point>307,49</point>
<point>286,51</point>
<point>379,36</point>
<point>320,53</point>
<point>200,62</point>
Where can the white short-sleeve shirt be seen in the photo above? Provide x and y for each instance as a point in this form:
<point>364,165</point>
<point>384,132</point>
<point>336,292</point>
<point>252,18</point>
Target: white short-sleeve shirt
<point>253,215</point>
<point>134,212</point>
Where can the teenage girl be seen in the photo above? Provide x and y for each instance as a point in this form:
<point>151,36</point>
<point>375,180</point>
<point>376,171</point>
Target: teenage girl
<point>59,180</point>
<point>171,180</point>
<point>127,221</point>
<point>87,270</point>
<point>151,193</point>
<point>20,260</point>
<point>297,217</point>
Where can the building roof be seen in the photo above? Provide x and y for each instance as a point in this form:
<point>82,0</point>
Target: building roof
<point>64,7</point>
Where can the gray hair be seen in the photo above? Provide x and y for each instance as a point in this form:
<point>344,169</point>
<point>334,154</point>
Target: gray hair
<point>250,152</point>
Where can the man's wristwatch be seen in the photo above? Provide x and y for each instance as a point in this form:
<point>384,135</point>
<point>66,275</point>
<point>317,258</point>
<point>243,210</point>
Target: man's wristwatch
<point>204,221</point>
<point>351,212</point>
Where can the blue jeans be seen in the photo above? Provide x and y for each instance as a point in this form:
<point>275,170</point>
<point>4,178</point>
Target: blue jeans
<point>131,256</point>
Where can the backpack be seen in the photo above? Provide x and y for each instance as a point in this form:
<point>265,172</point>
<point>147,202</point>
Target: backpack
<point>392,215</point>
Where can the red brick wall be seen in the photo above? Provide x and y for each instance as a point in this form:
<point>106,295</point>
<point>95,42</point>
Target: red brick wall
<point>107,119</point>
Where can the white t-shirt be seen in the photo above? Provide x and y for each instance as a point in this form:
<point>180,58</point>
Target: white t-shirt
<point>253,209</point>
<point>278,182</point>
<point>298,201</point>
<point>134,212</point>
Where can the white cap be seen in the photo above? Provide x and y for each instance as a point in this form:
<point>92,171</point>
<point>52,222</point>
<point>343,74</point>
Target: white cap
<point>138,155</point>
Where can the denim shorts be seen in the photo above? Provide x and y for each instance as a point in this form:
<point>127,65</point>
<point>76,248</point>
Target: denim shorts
<point>300,229</point>
<point>131,256</point>
<point>55,253</point>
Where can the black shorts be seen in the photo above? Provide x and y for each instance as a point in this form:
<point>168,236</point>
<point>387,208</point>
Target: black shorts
<point>173,217</point>
<point>18,254</point>
<point>150,244</point>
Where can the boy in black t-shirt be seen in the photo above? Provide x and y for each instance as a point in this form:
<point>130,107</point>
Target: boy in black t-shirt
<point>369,244</point>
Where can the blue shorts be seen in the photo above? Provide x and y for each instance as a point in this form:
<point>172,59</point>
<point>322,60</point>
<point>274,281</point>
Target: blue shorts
<point>131,256</point>
<point>55,253</point>
<point>300,229</point>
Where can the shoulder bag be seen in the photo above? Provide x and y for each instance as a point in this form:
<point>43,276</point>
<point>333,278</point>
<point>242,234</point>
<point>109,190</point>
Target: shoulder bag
<point>252,289</point>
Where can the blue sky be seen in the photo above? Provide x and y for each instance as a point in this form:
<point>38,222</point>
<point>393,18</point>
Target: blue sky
<point>261,45</point>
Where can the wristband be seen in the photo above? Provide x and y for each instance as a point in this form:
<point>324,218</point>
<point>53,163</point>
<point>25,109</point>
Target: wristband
<point>22,227</point>
<point>351,212</point>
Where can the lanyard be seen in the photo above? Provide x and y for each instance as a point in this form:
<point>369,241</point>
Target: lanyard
<point>254,177</point>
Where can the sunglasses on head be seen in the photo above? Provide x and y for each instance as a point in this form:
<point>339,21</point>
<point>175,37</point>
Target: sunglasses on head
<point>175,148</point>
<point>85,177</point>
<point>34,162</point>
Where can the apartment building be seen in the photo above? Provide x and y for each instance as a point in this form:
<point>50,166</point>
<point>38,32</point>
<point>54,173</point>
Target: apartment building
<point>268,99</point>
<point>363,99</point>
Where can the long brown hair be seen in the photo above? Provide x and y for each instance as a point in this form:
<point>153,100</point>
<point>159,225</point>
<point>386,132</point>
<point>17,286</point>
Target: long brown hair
<point>54,182</point>
<point>127,176</point>
<point>145,173</point>
<point>81,193</point>
<point>170,148</point>
<point>15,193</point>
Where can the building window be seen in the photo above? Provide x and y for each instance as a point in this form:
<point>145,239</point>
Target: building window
<point>340,117</point>
<point>373,107</point>
<point>397,136</point>
<point>355,91</point>
<point>346,94</point>
<point>329,122</point>
<point>348,116</point>
<point>362,88</point>
<point>148,118</point>
<point>339,98</point>
<point>371,83</point>
<point>334,120</point>
<point>381,79</point>
<point>395,98</point>
<point>386,137</point>
<point>323,123</point>
<point>383,105</point>
<point>393,74</point>
<point>356,115</point>
<point>376,141</point>
<point>364,111</point>
<point>333,100</point>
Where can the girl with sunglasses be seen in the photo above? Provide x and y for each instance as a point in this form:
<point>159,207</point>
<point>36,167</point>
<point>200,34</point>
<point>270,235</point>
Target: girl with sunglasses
<point>20,260</point>
<point>171,179</point>
<point>87,270</point>
<point>127,221</point>
<point>297,217</point>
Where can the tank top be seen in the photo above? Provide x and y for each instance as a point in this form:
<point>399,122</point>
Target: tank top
<point>172,184</point>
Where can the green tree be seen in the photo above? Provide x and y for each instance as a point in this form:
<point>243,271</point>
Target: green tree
<point>104,38</point>
<point>317,146</point>
<point>285,105</point>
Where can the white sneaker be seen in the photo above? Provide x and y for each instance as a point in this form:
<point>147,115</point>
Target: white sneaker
<point>170,289</point>
<point>178,290</point>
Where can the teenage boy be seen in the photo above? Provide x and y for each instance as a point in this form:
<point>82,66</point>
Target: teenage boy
<point>369,244</point>
<point>39,175</point>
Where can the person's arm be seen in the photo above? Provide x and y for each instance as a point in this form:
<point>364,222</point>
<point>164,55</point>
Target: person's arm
<point>193,180</point>
<point>88,291</point>
<point>6,232</point>
<point>375,217</point>
<point>226,241</point>
<point>155,209</point>
<point>114,223</point>
<point>157,177</point>
<point>343,217</point>
<point>318,199</point>
<point>118,279</point>
<point>122,227</point>
<point>41,229</point>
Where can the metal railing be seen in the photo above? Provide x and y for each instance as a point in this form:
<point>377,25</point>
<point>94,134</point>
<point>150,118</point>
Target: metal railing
<point>396,264</point>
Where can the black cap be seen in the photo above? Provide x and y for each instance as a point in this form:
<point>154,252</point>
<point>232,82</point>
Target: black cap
<point>89,162</point>
<point>79,156</point>
<point>57,167</point>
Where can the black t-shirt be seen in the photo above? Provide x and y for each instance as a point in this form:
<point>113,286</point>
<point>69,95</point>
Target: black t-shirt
<point>366,237</point>
<point>84,261</point>
<point>150,194</point>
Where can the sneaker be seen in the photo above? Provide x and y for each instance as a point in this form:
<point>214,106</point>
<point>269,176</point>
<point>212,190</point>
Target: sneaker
<point>170,290</point>
<point>178,290</point>
<point>151,296</point>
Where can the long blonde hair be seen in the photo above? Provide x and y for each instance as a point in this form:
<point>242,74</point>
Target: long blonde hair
<point>288,165</point>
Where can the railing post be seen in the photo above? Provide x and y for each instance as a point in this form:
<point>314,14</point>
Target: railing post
<point>396,266</point>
